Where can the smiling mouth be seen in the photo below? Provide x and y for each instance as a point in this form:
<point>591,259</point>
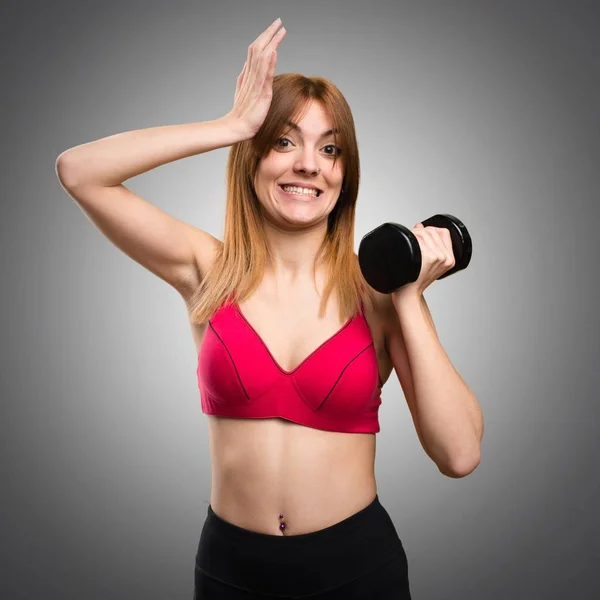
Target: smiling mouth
<point>319,192</point>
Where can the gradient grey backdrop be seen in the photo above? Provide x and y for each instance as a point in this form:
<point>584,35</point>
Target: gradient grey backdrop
<point>487,111</point>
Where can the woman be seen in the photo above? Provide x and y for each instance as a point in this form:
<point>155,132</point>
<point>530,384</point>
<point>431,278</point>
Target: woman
<point>293,345</point>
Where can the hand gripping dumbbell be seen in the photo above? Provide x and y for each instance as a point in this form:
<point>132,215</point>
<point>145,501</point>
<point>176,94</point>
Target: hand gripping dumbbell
<point>390,255</point>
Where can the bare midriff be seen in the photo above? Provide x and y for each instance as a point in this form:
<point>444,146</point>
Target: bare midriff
<point>277,477</point>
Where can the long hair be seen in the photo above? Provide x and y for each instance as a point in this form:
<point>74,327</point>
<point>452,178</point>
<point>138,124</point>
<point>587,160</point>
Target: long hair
<point>239,263</point>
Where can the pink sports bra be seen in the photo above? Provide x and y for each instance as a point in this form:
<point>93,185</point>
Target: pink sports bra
<point>337,387</point>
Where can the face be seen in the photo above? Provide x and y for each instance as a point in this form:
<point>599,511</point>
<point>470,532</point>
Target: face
<point>303,157</point>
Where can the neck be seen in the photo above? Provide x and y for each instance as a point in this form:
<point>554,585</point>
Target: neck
<point>293,253</point>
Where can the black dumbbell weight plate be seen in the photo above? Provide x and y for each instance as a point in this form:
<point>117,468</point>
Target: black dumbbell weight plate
<point>389,257</point>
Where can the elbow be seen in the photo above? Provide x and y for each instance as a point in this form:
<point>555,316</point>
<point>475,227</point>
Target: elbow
<point>65,170</point>
<point>61,162</point>
<point>61,169</point>
<point>460,468</point>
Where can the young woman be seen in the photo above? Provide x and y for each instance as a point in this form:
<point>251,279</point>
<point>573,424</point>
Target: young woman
<point>293,345</point>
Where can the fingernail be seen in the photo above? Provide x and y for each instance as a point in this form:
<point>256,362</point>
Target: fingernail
<point>276,21</point>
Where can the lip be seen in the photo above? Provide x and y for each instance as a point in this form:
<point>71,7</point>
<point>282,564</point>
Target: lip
<point>302,185</point>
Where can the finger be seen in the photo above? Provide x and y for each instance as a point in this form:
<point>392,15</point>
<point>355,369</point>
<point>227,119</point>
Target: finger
<point>265,79</point>
<point>276,40</point>
<point>272,63</point>
<point>253,64</point>
<point>428,245</point>
<point>240,79</point>
<point>239,88</point>
<point>255,50</point>
<point>266,68</point>
<point>438,234</point>
<point>437,244</point>
<point>265,37</point>
<point>447,240</point>
<point>421,239</point>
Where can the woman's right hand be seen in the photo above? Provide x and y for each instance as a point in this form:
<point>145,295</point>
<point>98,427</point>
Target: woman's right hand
<point>254,89</point>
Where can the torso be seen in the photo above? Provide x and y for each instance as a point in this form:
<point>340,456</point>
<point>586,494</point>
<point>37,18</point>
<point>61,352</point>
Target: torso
<point>262,468</point>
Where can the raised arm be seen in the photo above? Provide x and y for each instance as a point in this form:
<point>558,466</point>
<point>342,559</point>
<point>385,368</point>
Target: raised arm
<point>93,175</point>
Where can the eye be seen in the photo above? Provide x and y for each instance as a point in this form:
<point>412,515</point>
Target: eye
<point>337,150</point>
<point>281,139</point>
<point>279,143</point>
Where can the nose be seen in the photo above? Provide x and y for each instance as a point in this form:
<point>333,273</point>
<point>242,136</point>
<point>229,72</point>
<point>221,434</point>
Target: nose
<point>306,163</point>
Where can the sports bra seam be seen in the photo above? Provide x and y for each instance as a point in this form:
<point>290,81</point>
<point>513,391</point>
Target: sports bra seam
<point>256,335</point>
<point>230,358</point>
<point>342,372</point>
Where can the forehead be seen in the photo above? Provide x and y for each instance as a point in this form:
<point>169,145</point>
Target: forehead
<point>314,123</point>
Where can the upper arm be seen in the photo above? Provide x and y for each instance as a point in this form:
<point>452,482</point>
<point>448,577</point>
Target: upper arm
<point>175,251</point>
<point>396,349</point>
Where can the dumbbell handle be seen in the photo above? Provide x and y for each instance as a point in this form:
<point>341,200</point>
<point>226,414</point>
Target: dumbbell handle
<point>390,255</point>
<point>462,246</point>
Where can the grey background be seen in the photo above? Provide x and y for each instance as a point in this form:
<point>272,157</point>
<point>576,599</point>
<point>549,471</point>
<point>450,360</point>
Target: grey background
<point>485,110</point>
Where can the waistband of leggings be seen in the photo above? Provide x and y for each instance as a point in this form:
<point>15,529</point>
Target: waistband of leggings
<point>302,563</point>
<point>233,532</point>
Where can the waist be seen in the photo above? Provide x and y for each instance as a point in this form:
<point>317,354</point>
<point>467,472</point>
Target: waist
<point>263,468</point>
<point>307,503</point>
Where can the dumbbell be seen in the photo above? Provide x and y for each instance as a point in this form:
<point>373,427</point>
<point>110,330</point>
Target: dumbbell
<point>390,255</point>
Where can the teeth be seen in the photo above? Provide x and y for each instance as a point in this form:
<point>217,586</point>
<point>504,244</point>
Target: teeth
<point>298,190</point>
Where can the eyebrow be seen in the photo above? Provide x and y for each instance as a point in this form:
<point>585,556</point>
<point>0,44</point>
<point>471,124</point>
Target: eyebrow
<point>324,134</point>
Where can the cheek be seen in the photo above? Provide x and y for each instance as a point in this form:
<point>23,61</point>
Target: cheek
<point>268,172</point>
<point>336,182</point>
<point>336,174</point>
<point>275,165</point>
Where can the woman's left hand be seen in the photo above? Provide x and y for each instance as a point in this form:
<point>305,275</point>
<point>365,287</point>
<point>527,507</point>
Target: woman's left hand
<point>437,257</point>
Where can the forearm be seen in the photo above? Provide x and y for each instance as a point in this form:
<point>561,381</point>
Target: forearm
<point>448,413</point>
<point>112,160</point>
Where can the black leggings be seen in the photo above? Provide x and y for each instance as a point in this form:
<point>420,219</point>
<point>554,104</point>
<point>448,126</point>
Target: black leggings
<point>360,557</point>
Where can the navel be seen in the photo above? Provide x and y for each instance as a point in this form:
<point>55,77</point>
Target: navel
<point>282,524</point>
